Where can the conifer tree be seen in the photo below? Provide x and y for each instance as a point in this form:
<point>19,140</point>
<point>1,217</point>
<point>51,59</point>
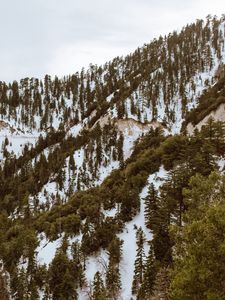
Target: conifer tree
<point>151,207</point>
<point>99,291</point>
<point>220,137</point>
<point>113,280</point>
<point>78,261</point>
<point>120,149</point>
<point>150,271</point>
<point>62,281</point>
<point>139,264</point>
<point>72,163</point>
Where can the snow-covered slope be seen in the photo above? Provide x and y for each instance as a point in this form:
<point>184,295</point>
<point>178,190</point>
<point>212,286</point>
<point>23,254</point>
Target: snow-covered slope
<point>98,262</point>
<point>14,140</point>
<point>102,112</point>
<point>129,236</point>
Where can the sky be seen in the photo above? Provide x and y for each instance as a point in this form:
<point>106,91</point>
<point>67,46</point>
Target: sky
<point>59,37</point>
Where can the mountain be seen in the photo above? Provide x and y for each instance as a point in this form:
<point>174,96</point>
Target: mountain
<point>99,169</point>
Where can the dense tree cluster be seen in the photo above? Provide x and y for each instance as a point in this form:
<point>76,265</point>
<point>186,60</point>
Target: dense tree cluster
<point>83,213</point>
<point>199,244</point>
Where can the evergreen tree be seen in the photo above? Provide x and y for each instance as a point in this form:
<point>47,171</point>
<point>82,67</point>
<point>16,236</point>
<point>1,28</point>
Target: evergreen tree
<point>120,149</point>
<point>99,291</point>
<point>72,163</point>
<point>150,271</point>
<point>113,280</point>
<point>61,279</point>
<point>139,265</point>
<point>151,207</point>
<point>79,263</point>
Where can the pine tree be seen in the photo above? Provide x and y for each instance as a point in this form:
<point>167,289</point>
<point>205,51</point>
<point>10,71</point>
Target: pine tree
<point>150,272</point>
<point>139,265</point>
<point>72,163</point>
<point>18,283</point>
<point>62,281</point>
<point>78,261</point>
<point>151,207</point>
<point>220,137</point>
<point>113,280</point>
<point>161,284</point>
<point>99,291</point>
<point>115,250</point>
<point>120,149</point>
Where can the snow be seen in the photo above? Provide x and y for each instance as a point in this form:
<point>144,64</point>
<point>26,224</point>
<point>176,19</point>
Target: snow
<point>46,250</point>
<point>129,140</point>
<point>105,171</point>
<point>16,142</point>
<point>109,98</point>
<point>176,107</point>
<point>75,130</point>
<point>110,212</point>
<point>96,263</point>
<point>129,236</point>
<point>200,79</point>
<point>158,178</point>
<point>221,163</point>
<point>99,261</point>
<point>79,157</point>
<point>51,188</point>
<point>48,189</point>
<point>132,130</point>
<point>23,263</point>
<point>217,115</point>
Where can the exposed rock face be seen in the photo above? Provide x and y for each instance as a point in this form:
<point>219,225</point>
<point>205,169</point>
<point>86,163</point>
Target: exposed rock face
<point>128,124</point>
<point>103,121</point>
<point>131,130</point>
<point>217,115</point>
<point>132,126</point>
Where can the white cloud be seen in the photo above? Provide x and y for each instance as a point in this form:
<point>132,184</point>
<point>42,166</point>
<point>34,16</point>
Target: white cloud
<point>59,37</point>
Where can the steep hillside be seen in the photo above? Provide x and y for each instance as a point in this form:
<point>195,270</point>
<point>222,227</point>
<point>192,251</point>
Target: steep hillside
<point>211,105</point>
<point>92,167</point>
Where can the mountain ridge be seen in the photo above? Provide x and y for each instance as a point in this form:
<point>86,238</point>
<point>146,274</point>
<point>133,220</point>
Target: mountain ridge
<point>99,139</point>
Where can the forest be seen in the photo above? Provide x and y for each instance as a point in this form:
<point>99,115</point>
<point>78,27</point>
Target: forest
<point>79,182</point>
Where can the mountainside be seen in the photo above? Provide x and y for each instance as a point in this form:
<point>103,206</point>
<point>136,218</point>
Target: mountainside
<point>94,168</point>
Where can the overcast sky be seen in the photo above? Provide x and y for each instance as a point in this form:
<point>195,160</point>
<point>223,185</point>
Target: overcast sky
<point>60,36</point>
